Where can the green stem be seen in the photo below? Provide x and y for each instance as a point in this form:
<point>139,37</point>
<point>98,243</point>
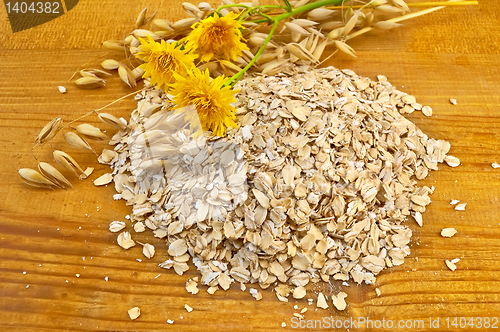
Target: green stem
<point>234,79</point>
<point>259,11</point>
<point>245,13</point>
<point>307,7</point>
<point>288,6</point>
<point>229,6</point>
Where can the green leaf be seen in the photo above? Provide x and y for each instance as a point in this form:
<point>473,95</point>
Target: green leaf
<point>288,5</point>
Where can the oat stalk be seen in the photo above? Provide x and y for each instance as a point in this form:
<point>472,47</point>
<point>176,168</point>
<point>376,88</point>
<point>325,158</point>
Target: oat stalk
<point>395,20</point>
<point>275,21</point>
<point>100,109</point>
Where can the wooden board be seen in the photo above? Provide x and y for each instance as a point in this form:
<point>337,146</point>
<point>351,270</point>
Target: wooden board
<point>48,237</point>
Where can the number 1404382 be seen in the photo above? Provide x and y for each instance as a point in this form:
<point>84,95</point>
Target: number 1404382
<point>41,7</point>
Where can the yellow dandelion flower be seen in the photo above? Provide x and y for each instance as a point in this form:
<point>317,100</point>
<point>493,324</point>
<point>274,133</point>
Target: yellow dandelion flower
<point>211,98</point>
<point>217,37</point>
<point>162,60</point>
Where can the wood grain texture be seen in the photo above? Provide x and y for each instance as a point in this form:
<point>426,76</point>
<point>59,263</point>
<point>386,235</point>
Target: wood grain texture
<point>54,235</point>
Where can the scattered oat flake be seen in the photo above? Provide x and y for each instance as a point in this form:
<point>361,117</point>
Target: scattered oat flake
<point>125,240</point>
<point>450,265</point>
<point>134,313</point>
<point>256,294</point>
<point>169,321</point>
<point>427,110</point>
<point>88,171</point>
<point>455,261</point>
<point>378,292</point>
<point>106,278</point>
<point>188,308</point>
<point>453,101</point>
<point>148,250</point>
<point>116,226</point>
<point>339,300</point>
<point>283,324</point>
<point>448,232</point>
<point>192,286</point>
<point>103,179</point>
<point>303,310</point>
<point>62,89</point>
<point>454,202</point>
<point>299,292</point>
<point>460,207</point>
<point>418,218</point>
<point>452,161</point>
<point>299,316</point>
<point>139,227</point>
<point>495,165</point>
<point>321,302</point>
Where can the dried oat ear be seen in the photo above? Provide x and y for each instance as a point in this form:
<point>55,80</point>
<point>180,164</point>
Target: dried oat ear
<point>66,161</point>
<point>49,131</point>
<point>91,131</point>
<point>112,121</point>
<point>35,179</point>
<point>51,173</point>
<point>77,142</point>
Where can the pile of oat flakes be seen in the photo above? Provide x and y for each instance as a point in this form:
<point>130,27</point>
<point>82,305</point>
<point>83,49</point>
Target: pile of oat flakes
<point>315,184</point>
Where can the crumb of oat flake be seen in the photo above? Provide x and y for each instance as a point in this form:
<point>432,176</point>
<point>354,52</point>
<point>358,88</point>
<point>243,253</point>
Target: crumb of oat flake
<point>134,313</point>
<point>448,232</point>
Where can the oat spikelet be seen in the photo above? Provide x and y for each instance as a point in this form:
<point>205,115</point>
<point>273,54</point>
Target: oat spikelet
<point>110,64</point>
<point>112,121</point>
<point>300,52</point>
<point>90,82</point>
<point>126,76</point>
<point>51,173</point>
<point>66,161</point>
<point>114,45</point>
<point>386,25</point>
<point>389,9</point>
<point>296,28</point>
<point>350,25</point>
<point>91,131</point>
<point>92,72</point>
<point>49,131</point>
<point>141,18</point>
<point>76,141</point>
<point>319,14</point>
<point>33,178</point>
<point>343,47</point>
<point>162,24</point>
<point>192,10</point>
<point>184,23</point>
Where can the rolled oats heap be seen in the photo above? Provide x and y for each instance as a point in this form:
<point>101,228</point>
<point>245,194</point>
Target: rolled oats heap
<point>315,184</point>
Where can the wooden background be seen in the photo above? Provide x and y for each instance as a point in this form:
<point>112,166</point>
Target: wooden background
<point>47,237</point>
